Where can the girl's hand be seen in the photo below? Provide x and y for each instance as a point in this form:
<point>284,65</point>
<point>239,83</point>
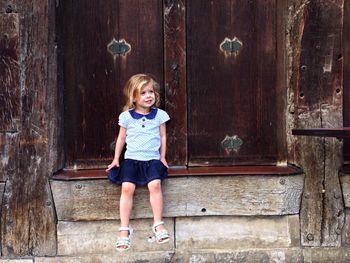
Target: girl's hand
<point>113,164</point>
<point>164,162</point>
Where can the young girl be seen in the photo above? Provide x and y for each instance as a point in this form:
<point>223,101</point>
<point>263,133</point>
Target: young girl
<point>142,128</point>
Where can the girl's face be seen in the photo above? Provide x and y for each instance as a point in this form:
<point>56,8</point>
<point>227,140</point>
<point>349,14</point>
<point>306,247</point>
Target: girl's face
<point>147,97</point>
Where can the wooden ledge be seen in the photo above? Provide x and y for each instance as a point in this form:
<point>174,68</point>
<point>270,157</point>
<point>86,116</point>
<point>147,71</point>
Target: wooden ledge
<point>69,175</point>
<point>323,132</point>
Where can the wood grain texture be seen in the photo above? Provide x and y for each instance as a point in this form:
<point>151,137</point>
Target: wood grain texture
<point>281,81</point>
<point>345,184</point>
<point>227,94</point>
<point>316,101</point>
<point>192,196</point>
<point>94,78</point>
<point>175,80</point>
<point>232,232</point>
<point>9,143</point>
<point>345,56</point>
<point>28,224</point>
<point>346,229</point>
<point>84,238</point>
<point>9,73</point>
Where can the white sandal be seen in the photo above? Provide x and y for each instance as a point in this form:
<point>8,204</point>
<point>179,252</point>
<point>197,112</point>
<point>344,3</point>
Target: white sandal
<point>123,243</point>
<point>161,236</point>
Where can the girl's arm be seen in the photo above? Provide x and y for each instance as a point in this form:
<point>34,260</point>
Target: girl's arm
<point>118,148</point>
<point>162,150</point>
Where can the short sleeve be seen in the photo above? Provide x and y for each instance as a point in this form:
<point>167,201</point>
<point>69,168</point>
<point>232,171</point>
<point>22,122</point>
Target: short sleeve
<point>162,116</point>
<point>123,120</point>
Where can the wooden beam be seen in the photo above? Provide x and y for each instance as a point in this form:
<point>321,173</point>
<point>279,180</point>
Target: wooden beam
<point>345,56</point>
<point>175,79</point>
<point>28,219</point>
<point>191,196</point>
<point>281,81</point>
<point>315,37</point>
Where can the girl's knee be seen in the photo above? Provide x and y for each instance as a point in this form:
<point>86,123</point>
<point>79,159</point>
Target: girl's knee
<point>128,188</point>
<point>154,186</point>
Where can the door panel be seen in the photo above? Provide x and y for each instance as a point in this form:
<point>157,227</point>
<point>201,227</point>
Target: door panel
<point>94,78</point>
<point>231,95</point>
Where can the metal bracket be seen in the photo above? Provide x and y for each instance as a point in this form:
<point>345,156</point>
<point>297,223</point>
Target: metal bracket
<point>231,143</point>
<point>231,46</point>
<point>120,47</point>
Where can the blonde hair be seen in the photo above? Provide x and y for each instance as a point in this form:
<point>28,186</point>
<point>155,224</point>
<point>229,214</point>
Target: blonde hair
<point>133,86</point>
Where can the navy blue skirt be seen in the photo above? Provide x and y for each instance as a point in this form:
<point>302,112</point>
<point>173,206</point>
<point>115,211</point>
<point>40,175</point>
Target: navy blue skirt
<point>139,173</point>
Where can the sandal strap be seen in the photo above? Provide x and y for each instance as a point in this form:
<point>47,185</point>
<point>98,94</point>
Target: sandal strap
<point>162,234</point>
<point>157,224</point>
<point>124,228</point>
<point>123,242</point>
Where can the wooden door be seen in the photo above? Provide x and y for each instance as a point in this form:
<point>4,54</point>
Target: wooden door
<point>94,76</point>
<point>231,61</point>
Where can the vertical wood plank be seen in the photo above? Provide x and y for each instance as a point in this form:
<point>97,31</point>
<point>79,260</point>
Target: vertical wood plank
<point>28,225</point>
<point>331,116</point>
<point>175,79</point>
<point>318,104</point>
<point>281,78</point>
<point>9,143</point>
<point>9,73</point>
<point>346,76</point>
<point>311,205</point>
<point>55,91</point>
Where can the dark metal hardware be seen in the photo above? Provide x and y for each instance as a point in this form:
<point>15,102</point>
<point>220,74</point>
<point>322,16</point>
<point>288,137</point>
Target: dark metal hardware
<point>231,46</point>
<point>231,143</point>
<point>120,47</point>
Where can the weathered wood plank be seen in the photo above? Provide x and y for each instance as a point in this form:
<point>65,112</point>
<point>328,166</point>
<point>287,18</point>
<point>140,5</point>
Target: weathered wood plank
<point>281,76</point>
<point>144,257</point>
<point>331,101</point>
<point>345,56</point>
<point>2,187</point>
<point>9,73</point>
<point>55,91</point>
<point>175,79</point>
<point>345,185</point>
<point>317,101</point>
<point>325,255</point>
<point>28,222</point>
<point>81,238</point>
<point>16,260</point>
<point>8,155</point>
<point>333,212</point>
<point>241,255</point>
<point>286,255</point>
<point>346,230</point>
<point>192,196</point>
<point>233,232</point>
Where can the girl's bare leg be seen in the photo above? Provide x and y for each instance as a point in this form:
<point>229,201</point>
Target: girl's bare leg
<point>156,199</point>
<point>126,202</point>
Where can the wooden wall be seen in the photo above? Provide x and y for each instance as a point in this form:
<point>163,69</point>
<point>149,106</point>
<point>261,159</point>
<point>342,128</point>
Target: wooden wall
<point>31,106</point>
<point>28,125</point>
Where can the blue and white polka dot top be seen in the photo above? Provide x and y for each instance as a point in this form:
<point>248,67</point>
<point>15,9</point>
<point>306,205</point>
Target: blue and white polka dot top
<point>142,133</point>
